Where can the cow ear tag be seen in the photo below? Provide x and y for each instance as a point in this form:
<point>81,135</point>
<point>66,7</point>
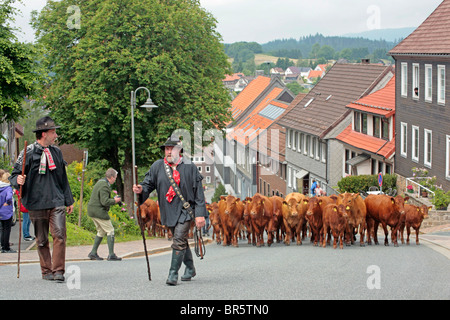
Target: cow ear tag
<point>347,208</point>
<point>393,202</point>
<point>334,209</point>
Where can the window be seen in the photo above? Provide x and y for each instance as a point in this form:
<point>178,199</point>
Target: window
<point>347,157</point>
<point>428,83</point>
<point>289,176</point>
<point>376,126</point>
<point>364,123</point>
<point>357,121</point>
<point>313,147</point>
<point>415,144</point>
<point>295,142</point>
<point>307,144</point>
<point>403,139</point>
<point>199,169</point>
<point>385,129</point>
<point>447,158</point>
<point>404,79</point>
<point>290,132</point>
<point>301,142</point>
<point>324,152</point>
<point>208,169</point>
<point>415,81</point>
<point>427,148</point>
<point>441,84</point>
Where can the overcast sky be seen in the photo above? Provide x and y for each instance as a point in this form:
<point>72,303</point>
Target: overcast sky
<point>266,20</point>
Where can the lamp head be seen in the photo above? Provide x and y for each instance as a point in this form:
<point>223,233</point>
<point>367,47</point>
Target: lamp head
<point>149,105</point>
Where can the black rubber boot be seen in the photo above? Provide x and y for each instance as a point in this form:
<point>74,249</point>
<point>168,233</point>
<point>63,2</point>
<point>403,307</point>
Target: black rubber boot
<point>177,260</point>
<point>93,254</point>
<point>112,256</point>
<point>189,272</point>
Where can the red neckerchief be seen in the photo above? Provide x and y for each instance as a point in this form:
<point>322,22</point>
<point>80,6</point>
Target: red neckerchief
<point>176,176</point>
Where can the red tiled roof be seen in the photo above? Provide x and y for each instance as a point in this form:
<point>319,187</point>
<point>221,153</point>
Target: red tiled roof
<point>233,77</point>
<point>255,123</point>
<point>248,95</point>
<point>368,143</point>
<point>431,37</point>
<point>381,102</point>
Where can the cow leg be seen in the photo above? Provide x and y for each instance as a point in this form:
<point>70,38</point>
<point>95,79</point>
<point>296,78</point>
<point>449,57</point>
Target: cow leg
<point>325,230</point>
<point>375,232</point>
<point>394,233</point>
<point>417,235</point>
<point>335,239</point>
<point>386,233</point>
<point>408,232</point>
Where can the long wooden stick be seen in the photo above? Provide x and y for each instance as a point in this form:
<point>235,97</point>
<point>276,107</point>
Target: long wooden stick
<point>141,225</point>
<point>20,205</point>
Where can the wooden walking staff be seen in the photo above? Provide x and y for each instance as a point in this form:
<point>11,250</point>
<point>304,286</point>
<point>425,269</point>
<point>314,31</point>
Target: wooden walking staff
<point>141,225</point>
<point>20,205</point>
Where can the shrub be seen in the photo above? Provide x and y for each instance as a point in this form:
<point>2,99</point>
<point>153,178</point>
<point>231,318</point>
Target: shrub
<point>363,182</point>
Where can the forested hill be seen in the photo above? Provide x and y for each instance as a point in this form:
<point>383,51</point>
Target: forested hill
<point>304,45</point>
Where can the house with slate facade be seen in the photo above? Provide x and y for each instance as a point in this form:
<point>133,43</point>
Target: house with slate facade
<point>422,66</point>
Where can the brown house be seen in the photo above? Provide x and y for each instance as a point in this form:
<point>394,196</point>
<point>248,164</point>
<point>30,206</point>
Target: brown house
<point>422,98</point>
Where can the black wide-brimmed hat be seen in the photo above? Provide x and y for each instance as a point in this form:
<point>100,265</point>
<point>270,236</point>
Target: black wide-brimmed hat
<point>45,123</point>
<point>172,142</point>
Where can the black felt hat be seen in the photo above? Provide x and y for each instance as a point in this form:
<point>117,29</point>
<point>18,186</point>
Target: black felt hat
<point>45,123</point>
<point>172,142</point>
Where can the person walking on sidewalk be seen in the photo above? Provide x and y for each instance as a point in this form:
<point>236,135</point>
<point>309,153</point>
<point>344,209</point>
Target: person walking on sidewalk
<point>47,196</point>
<point>6,212</point>
<point>26,222</point>
<point>98,208</point>
<point>173,215</point>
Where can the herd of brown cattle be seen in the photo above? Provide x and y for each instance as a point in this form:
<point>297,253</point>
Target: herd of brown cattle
<point>288,219</point>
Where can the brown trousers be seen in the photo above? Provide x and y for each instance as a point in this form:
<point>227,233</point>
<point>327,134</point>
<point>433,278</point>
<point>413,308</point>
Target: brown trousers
<point>55,219</point>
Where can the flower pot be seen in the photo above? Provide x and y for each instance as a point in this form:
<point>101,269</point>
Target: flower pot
<point>410,190</point>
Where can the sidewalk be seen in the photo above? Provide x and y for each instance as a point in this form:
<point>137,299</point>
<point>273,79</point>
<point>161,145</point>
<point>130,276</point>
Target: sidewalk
<point>439,236</point>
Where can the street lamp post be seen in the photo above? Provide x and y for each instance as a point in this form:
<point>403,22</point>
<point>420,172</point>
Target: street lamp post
<point>149,105</point>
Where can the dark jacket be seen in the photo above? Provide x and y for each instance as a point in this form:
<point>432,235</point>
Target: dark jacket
<point>101,201</point>
<point>190,186</point>
<point>43,191</point>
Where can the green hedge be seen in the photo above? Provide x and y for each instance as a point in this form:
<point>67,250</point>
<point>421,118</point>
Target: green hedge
<point>363,182</point>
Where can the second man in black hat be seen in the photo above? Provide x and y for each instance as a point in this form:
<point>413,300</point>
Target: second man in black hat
<point>173,214</point>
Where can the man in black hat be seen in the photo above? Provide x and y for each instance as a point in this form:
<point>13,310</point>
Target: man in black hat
<point>173,214</point>
<point>47,196</point>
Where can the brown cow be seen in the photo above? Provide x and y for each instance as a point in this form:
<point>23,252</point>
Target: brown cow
<point>334,219</point>
<point>151,217</point>
<point>356,217</point>
<point>294,217</point>
<point>413,217</point>
<point>247,223</point>
<point>276,223</point>
<point>261,211</point>
<point>214,219</point>
<point>231,212</point>
<point>314,216</point>
<point>386,210</point>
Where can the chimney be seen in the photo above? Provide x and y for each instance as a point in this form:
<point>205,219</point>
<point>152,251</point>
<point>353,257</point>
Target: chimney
<point>365,61</point>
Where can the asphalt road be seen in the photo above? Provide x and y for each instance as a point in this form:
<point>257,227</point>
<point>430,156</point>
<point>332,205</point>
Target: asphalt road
<point>278,272</point>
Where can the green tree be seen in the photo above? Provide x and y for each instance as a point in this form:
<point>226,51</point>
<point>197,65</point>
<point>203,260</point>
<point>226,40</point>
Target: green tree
<point>18,67</point>
<point>171,47</point>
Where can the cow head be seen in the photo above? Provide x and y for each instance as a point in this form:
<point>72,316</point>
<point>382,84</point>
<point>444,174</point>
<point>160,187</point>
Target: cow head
<point>231,204</point>
<point>424,211</point>
<point>342,210</point>
<point>399,204</point>
<point>313,205</point>
<point>292,206</point>
<point>257,205</point>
